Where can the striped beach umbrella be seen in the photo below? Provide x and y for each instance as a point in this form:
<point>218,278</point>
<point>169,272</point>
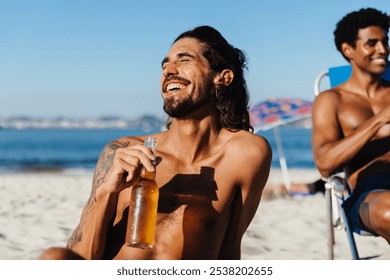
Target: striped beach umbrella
<point>275,112</point>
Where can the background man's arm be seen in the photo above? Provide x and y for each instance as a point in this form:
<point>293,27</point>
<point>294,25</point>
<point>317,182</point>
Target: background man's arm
<point>332,150</point>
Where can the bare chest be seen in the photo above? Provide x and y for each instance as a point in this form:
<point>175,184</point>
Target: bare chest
<point>194,210</point>
<point>208,187</point>
<point>354,111</point>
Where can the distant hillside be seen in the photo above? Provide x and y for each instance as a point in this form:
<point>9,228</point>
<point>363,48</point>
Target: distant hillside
<point>146,122</point>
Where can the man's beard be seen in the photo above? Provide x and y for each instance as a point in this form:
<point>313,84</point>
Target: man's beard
<point>184,107</point>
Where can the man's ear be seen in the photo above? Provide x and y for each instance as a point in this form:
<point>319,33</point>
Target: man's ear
<point>224,78</point>
<point>347,50</point>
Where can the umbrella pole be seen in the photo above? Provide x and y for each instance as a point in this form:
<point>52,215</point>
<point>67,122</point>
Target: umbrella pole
<point>282,159</point>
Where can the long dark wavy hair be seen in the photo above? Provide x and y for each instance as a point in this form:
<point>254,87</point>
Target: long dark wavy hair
<point>232,100</point>
<point>348,27</point>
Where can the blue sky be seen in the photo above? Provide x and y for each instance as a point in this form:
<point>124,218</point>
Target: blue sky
<point>92,58</point>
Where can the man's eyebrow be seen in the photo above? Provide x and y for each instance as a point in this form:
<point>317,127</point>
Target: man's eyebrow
<point>179,55</point>
<point>373,40</point>
<point>166,59</point>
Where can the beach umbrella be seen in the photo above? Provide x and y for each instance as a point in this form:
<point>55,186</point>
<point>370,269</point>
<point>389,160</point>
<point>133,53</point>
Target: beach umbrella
<point>275,112</point>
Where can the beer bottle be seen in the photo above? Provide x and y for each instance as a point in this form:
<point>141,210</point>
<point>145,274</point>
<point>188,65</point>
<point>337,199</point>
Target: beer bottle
<point>143,207</point>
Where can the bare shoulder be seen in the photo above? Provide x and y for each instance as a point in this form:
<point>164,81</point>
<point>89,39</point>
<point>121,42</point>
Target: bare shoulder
<point>330,95</point>
<point>327,102</point>
<point>108,152</point>
<point>250,146</point>
<point>107,155</point>
<point>250,155</point>
<point>128,141</point>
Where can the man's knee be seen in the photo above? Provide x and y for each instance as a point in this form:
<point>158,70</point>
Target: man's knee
<point>380,212</point>
<point>57,253</point>
<point>383,220</point>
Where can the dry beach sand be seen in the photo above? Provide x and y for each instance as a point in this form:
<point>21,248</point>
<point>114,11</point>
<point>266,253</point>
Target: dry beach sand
<point>39,210</point>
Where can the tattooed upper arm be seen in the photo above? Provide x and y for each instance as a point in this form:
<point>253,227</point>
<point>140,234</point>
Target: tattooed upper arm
<point>104,163</point>
<point>102,167</point>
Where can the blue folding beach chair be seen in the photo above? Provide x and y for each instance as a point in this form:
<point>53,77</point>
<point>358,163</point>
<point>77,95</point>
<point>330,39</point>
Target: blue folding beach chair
<point>338,75</point>
<point>335,186</point>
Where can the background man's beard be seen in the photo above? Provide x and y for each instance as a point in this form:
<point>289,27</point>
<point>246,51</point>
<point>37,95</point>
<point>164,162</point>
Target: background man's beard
<point>184,107</point>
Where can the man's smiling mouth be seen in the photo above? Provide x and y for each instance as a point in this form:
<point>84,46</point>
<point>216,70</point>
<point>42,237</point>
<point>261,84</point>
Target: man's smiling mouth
<point>175,83</point>
<point>174,86</point>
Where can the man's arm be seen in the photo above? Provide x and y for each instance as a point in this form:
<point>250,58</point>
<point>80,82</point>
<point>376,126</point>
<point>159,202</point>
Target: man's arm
<point>117,169</point>
<point>332,150</point>
<point>89,238</point>
<point>253,166</point>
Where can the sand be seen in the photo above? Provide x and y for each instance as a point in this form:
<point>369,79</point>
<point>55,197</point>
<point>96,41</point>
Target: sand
<point>39,210</point>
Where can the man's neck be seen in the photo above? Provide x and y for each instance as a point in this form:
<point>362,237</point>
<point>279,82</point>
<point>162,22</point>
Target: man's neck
<point>192,139</point>
<point>365,83</point>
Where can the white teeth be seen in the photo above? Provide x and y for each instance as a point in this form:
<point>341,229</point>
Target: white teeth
<point>174,86</point>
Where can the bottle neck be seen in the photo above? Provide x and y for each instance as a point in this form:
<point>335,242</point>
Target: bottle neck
<point>147,175</point>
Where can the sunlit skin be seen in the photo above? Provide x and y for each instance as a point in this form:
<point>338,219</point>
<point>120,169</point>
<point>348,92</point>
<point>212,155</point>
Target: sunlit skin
<point>210,179</point>
<point>355,134</point>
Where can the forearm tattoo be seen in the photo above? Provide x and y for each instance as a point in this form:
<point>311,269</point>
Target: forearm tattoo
<point>102,167</point>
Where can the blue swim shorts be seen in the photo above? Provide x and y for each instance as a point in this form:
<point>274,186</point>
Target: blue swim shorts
<point>351,205</point>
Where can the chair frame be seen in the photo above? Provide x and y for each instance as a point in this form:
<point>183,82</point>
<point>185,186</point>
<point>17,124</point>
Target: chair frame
<point>336,218</point>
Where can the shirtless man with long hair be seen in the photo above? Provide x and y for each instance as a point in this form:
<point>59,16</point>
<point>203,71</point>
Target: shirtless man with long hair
<point>207,153</point>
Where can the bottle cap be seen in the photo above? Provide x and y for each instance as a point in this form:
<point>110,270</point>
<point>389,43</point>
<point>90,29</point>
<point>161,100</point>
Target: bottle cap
<point>151,142</point>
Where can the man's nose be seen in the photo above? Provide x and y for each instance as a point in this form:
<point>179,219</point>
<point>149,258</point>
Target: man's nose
<point>170,69</point>
<point>383,47</point>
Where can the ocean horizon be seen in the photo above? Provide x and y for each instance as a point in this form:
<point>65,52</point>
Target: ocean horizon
<point>79,149</point>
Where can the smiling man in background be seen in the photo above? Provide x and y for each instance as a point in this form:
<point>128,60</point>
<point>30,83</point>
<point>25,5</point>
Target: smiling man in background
<point>351,122</point>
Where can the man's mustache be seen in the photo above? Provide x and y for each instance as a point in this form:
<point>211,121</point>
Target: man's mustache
<point>175,78</point>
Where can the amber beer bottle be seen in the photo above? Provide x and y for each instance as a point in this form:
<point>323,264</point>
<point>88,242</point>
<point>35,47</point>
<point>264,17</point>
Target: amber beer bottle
<point>143,207</point>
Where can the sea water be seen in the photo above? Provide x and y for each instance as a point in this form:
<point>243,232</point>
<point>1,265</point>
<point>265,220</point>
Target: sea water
<point>79,149</point>
<point>296,147</point>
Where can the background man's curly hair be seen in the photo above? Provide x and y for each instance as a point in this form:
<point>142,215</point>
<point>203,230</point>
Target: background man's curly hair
<point>347,28</point>
<point>232,101</point>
